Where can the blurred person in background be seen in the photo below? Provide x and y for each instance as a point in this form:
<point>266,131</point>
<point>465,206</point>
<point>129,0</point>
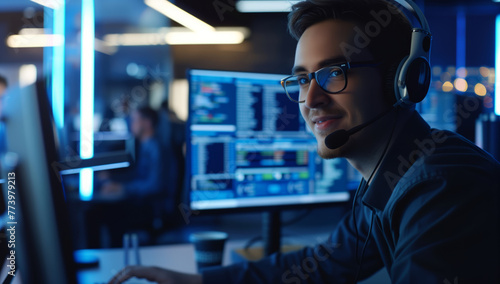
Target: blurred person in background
<point>3,91</point>
<point>144,177</point>
<point>140,194</point>
<point>3,85</point>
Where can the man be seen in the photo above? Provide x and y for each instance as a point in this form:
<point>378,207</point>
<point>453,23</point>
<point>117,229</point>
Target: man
<point>141,188</point>
<point>3,85</point>
<point>3,90</point>
<point>427,207</point>
<point>145,176</point>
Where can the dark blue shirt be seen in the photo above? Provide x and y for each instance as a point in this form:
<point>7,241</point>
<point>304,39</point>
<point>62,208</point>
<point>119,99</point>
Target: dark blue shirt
<point>434,211</point>
<point>145,178</point>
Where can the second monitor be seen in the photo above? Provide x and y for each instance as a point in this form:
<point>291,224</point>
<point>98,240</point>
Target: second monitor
<point>249,147</point>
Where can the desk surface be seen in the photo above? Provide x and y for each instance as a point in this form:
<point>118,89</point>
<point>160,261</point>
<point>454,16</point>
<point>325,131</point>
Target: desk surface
<point>175,257</point>
<point>178,257</point>
<point>111,261</point>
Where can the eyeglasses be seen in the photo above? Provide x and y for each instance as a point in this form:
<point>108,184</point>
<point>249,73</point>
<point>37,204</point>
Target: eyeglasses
<point>331,79</point>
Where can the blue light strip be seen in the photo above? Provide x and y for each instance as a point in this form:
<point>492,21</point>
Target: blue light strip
<point>58,53</point>
<point>86,184</point>
<point>497,67</point>
<point>87,96</point>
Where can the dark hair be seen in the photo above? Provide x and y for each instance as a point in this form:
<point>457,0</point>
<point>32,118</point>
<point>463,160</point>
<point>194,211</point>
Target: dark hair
<point>388,45</point>
<point>149,114</point>
<point>3,80</point>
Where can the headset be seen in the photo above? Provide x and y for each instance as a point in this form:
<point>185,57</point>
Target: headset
<point>413,75</point>
<point>412,81</point>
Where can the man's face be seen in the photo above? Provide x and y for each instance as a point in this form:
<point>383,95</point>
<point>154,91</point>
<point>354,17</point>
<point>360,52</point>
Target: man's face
<point>320,46</point>
<point>137,124</point>
<point>3,88</point>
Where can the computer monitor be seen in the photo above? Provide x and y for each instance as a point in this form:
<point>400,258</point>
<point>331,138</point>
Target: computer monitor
<point>248,147</point>
<point>43,246</point>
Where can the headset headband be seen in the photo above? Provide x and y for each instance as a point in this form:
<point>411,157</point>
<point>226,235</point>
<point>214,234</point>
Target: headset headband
<point>415,10</point>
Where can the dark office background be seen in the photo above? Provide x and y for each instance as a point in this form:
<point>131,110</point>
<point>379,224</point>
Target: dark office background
<point>268,49</point>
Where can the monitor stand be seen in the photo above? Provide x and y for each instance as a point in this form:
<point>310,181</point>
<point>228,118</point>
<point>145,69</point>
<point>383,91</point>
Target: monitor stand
<point>271,231</point>
<point>271,236</point>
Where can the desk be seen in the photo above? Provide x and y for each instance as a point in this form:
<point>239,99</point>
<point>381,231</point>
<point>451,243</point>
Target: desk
<point>180,257</point>
<point>175,257</point>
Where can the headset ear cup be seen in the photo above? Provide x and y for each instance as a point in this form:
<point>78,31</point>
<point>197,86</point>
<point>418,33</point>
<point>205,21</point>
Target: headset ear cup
<point>398,93</point>
<point>418,79</point>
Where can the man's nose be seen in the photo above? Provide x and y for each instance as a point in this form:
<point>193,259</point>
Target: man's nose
<point>316,97</point>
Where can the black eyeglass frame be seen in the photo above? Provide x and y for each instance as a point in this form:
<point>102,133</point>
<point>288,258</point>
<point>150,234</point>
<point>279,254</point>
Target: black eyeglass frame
<point>343,66</point>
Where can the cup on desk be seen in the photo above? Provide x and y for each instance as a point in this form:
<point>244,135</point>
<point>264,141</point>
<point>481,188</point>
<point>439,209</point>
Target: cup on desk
<point>209,248</point>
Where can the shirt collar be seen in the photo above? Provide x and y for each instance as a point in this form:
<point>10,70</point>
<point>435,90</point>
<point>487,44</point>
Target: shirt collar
<point>395,163</point>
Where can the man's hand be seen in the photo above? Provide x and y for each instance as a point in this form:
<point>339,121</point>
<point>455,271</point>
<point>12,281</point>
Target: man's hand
<point>156,274</point>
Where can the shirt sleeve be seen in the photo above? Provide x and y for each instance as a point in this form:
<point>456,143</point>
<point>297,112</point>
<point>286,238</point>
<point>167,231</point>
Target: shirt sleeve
<point>330,262</point>
<point>149,182</point>
<point>446,230</point>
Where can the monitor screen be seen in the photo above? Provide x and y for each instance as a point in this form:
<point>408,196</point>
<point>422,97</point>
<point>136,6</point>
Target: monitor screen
<point>248,146</point>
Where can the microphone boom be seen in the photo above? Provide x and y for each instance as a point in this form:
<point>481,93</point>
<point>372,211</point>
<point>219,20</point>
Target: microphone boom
<point>338,138</point>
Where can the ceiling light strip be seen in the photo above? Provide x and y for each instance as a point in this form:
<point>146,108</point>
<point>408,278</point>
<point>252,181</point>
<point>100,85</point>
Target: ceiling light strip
<point>180,16</point>
<point>264,6</point>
